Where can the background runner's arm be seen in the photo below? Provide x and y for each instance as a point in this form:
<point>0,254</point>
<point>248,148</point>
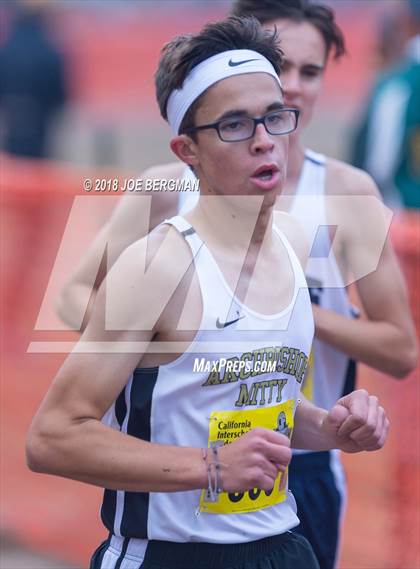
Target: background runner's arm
<point>384,337</point>
<point>122,229</point>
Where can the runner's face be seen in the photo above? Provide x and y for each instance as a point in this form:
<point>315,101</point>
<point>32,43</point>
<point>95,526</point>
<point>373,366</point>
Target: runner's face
<point>303,70</point>
<point>234,168</point>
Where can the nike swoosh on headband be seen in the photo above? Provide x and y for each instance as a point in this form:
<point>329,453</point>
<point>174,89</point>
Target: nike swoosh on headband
<point>235,63</point>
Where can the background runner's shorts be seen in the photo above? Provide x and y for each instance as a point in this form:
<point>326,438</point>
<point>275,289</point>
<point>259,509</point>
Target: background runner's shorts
<point>285,551</point>
<point>319,494</point>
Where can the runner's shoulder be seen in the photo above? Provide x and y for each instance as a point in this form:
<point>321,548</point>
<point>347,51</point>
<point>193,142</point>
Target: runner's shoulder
<point>347,180</point>
<point>294,232</point>
<point>163,250</point>
<point>144,277</point>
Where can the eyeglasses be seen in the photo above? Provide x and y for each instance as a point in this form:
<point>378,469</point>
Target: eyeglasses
<point>237,129</point>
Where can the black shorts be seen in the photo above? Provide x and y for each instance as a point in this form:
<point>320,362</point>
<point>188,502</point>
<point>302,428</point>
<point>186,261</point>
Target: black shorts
<point>285,551</point>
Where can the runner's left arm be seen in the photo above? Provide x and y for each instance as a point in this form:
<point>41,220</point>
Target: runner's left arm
<point>356,423</point>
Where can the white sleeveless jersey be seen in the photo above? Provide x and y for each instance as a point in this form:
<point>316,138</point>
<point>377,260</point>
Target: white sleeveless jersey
<point>243,370</point>
<point>331,372</point>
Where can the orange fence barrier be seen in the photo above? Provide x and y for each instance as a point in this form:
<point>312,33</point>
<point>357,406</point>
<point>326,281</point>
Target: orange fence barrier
<point>406,237</point>
<point>60,516</point>
<point>382,526</point>
<point>56,516</point>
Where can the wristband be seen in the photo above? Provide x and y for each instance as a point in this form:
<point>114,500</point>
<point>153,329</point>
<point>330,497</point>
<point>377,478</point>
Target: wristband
<point>214,487</point>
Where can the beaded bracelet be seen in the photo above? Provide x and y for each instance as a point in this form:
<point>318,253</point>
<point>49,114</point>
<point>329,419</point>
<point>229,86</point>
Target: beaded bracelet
<point>214,485</point>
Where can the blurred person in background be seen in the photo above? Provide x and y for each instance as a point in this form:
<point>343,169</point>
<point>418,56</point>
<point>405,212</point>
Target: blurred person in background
<point>32,86</point>
<point>383,337</point>
<point>390,39</point>
<point>387,141</point>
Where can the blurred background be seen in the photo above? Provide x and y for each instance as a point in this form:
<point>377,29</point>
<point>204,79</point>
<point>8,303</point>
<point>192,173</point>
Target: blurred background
<point>77,101</point>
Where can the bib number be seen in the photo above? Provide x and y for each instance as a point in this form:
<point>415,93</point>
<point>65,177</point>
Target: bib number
<point>224,428</point>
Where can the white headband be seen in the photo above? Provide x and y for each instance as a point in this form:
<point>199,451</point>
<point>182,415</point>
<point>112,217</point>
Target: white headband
<point>208,72</point>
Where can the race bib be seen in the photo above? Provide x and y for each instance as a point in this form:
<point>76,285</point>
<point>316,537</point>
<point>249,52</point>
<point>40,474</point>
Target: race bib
<point>224,428</point>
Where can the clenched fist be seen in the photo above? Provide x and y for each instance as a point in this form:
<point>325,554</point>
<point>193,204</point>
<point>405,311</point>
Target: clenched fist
<point>254,460</point>
<point>356,422</point>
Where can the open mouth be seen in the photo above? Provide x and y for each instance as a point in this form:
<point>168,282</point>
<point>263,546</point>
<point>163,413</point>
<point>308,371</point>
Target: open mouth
<point>266,172</point>
<point>265,175</point>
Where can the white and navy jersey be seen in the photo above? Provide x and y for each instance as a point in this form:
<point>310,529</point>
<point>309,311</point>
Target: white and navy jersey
<point>332,373</point>
<point>249,377</point>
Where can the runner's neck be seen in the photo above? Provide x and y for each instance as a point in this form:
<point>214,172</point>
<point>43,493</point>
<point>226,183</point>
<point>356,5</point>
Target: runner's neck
<point>295,162</point>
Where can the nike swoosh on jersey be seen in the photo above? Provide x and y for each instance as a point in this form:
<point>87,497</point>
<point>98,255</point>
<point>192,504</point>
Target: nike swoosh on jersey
<point>224,324</point>
<point>236,63</point>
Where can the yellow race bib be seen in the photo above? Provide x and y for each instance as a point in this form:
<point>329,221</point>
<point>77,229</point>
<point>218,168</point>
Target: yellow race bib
<point>224,428</point>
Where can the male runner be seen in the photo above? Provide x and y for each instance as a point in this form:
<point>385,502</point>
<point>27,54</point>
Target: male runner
<point>158,448</point>
<point>309,35</point>
<point>382,338</point>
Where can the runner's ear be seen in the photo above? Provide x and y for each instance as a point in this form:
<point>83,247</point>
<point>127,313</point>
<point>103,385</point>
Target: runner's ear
<point>185,149</point>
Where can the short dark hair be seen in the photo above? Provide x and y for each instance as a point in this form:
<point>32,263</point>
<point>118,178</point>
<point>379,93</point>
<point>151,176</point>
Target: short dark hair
<point>320,16</point>
<point>184,53</point>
